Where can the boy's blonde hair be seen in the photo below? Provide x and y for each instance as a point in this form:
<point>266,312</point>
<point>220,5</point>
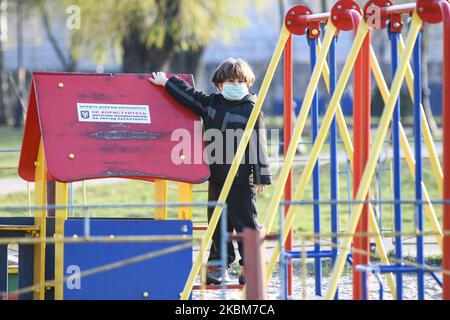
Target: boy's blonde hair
<point>233,69</point>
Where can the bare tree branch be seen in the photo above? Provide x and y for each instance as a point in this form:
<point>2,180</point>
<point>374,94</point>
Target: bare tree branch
<point>51,37</point>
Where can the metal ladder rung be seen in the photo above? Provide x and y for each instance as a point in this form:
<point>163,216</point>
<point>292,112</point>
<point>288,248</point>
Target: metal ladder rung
<point>4,227</point>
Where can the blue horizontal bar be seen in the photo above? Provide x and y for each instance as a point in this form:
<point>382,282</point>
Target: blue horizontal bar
<point>309,254</point>
<point>10,151</point>
<point>391,269</point>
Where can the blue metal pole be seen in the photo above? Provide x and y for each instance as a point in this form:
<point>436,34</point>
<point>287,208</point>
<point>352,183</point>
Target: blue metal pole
<point>316,173</point>
<point>4,268</point>
<point>364,286</point>
<point>397,172</point>
<point>283,258</point>
<point>223,248</point>
<point>418,154</point>
<point>334,192</point>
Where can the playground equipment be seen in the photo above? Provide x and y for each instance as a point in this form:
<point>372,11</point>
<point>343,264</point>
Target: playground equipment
<point>71,146</point>
<point>81,127</point>
<point>346,16</point>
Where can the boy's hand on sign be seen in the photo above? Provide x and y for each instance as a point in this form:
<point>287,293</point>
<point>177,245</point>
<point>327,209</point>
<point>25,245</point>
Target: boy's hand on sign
<point>159,78</point>
<point>260,188</point>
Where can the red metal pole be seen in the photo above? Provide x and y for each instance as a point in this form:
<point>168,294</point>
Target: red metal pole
<point>361,137</point>
<point>288,106</point>
<point>255,263</point>
<point>445,6</point>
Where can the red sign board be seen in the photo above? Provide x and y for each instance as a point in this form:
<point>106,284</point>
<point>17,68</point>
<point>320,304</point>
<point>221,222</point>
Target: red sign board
<point>102,126</point>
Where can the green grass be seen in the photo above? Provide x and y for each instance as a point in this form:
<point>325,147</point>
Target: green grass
<point>10,139</point>
<point>140,192</point>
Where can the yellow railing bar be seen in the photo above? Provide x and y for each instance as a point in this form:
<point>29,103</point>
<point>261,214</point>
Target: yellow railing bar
<point>375,153</point>
<point>342,125</point>
<point>23,228</point>
<point>61,200</point>
<point>185,196</point>
<point>363,29</point>
<point>426,132</point>
<point>40,222</point>
<point>161,197</point>
<point>284,35</point>
<point>30,213</point>
<point>429,209</point>
<point>300,125</point>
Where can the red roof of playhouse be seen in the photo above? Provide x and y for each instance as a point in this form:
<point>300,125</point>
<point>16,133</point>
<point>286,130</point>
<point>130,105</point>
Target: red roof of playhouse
<point>102,126</point>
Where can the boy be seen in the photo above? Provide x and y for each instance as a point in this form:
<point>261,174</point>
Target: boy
<point>229,109</point>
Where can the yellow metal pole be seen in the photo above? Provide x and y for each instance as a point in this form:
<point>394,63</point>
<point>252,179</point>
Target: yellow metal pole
<point>426,132</point>
<point>185,196</point>
<point>40,222</point>
<point>375,153</point>
<point>361,33</point>
<point>61,200</point>
<point>342,125</point>
<point>161,197</point>
<point>363,29</point>
<point>410,161</point>
<point>284,34</point>
<point>295,139</point>
<point>429,209</point>
<point>30,213</point>
<point>84,193</point>
<point>301,121</point>
<point>373,224</point>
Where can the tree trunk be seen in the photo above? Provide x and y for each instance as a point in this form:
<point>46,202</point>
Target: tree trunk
<point>138,58</point>
<point>426,92</point>
<point>324,6</point>
<point>68,65</point>
<point>2,71</point>
<point>18,113</point>
<point>187,62</point>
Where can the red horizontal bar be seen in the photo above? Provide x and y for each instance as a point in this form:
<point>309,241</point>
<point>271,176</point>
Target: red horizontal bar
<point>317,17</point>
<point>323,17</point>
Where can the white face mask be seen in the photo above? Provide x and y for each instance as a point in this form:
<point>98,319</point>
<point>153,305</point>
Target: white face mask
<point>234,91</point>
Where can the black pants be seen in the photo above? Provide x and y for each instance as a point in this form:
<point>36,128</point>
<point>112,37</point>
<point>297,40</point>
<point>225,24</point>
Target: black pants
<point>241,209</point>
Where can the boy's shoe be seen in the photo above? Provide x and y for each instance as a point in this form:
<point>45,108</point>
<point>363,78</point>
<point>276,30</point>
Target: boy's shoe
<point>242,276</point>
<point>214,275</point>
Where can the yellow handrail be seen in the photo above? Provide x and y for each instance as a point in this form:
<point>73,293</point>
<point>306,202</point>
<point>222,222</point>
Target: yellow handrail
<point>40,222</point>
<point>301,121</point>
<point>284,35</point>
<point>363,29</point>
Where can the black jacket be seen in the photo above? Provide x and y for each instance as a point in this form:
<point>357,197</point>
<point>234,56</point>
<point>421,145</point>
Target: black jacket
<point>222,114</point>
